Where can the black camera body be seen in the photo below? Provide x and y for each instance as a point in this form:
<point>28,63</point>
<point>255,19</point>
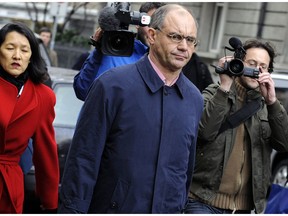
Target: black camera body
<point>236,66</point>
<point>126,17</point>
<point>120,41</point>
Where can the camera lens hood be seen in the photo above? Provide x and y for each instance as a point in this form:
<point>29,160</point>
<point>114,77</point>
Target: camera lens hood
<point>236,67</point>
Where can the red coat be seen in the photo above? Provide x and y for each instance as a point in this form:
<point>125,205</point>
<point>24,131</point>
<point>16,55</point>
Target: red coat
<point>29,116</point>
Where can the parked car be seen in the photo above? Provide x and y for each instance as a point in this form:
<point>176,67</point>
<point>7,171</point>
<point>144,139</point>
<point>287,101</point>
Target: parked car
<point>67,109</point>
<point>279,160</point>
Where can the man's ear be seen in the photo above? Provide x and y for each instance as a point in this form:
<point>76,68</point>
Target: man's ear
<point>151,35</point>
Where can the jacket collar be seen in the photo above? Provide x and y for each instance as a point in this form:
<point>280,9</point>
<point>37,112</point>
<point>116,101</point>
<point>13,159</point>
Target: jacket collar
<point>153,81</point>
<point>16,107</point>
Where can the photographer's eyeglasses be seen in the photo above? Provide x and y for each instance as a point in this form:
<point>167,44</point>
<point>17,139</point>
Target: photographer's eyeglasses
<point>255,64</point>
<point>191,41</point>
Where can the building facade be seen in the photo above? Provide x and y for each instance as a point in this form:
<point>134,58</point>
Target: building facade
<point>218,22</point>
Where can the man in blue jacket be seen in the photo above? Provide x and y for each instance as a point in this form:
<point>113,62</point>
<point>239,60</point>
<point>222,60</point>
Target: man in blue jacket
<point>134,144</point>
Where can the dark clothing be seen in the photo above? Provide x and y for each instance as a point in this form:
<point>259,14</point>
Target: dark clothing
<point>197,72</point>
<point>26,158</point>
<point>80,61</point>
<point>134,152</point>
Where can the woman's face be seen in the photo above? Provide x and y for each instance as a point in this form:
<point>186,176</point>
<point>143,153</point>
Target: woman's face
<point>15,53</point>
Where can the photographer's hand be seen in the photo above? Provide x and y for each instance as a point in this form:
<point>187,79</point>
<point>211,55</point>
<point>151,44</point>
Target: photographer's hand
<point>267,87</point>
<point>95,40</point>
<point>225,80</point>
<point>98,34</point>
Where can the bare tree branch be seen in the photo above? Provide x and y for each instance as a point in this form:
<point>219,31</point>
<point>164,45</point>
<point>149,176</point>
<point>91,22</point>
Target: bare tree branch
<point>75,7</point>
<point>45,13</point>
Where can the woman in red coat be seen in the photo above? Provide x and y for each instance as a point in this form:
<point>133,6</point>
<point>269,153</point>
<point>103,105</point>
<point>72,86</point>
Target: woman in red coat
<point>26,111</point>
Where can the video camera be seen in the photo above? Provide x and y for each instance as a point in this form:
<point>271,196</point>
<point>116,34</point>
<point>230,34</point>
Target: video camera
<point>236,66</point>
<point>117,40</point>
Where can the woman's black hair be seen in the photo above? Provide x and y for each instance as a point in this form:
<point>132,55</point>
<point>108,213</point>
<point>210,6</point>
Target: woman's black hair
<point>37,70</point>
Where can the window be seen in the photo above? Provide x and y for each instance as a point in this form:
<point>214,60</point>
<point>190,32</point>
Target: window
<point>218,24</point>
<point>212,23</point>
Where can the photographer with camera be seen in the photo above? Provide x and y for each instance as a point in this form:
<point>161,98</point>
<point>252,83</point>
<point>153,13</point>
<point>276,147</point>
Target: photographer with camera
<point>242,121</point>
<point>113,48</point>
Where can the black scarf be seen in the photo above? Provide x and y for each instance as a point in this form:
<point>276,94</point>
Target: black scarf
<point>17,81</point>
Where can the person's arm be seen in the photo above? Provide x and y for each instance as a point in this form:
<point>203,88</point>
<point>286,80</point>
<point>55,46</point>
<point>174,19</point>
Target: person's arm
<point>277,115</point>
<point>87,74</point>
<point>216,105</point>
<point>45,158</point>
<point>278,122</point>
<point>84,158</point>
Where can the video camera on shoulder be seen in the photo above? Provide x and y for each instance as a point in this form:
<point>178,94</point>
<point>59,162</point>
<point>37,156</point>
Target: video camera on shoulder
<point>236,66</point>
<point>114,20</point>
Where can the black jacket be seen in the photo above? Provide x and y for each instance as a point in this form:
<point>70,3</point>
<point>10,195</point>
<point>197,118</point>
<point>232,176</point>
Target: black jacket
<point>197,72</point>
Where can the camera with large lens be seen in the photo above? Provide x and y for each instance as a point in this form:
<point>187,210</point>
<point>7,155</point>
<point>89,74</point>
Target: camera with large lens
<point>114,20</point>
<point>236,66</point>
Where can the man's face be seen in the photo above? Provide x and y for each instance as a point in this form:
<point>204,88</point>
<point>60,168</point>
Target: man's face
<point>143,30</point>
<point>46,37</point>
<point>164,47</point>
<point>255,58</point>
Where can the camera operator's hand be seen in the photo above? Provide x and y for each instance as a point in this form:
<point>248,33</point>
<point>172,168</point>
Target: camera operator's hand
<point>225,80</point>
<point>95,39</point>
<point>267,87</point>
<point>98,34</point>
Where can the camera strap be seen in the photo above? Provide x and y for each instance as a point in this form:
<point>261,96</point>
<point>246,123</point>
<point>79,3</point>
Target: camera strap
<point>241,115</point>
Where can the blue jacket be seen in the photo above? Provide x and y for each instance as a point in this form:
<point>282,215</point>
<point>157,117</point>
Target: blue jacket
<point>134,144</point>
<point>96,64</point>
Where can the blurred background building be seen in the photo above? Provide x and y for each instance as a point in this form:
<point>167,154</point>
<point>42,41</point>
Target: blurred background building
<point>74,22</point>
